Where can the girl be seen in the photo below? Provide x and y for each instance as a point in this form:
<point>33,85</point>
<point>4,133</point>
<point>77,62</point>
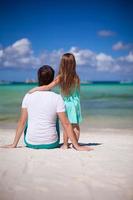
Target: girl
<point>69,83</point>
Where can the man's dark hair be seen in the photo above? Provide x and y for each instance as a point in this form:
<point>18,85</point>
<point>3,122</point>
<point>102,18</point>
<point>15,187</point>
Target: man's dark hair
<point>45,75</point>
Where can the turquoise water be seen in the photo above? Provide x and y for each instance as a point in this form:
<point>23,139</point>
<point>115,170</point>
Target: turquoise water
<point>103,105</point>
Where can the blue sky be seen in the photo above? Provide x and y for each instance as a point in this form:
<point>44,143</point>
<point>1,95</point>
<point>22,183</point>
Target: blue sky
<point>98,33</point>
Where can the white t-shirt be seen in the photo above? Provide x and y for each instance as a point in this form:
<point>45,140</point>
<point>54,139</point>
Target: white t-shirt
<point>42,107</point>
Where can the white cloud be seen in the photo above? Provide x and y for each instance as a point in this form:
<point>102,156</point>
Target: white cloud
<point>103,57</point>
<point>83,56</point>
<point>121,46</point>
<point>101,61</point>
<point>1,53</point>
<point>23,47</point>
<point>106,33</point>
<point>21,55</point>
<point>128,58</point>
<point>106,63</point>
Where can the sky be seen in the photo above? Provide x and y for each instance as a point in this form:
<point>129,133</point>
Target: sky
<point>98,33</point>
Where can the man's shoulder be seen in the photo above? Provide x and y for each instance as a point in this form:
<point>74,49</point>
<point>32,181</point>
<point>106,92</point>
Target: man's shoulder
<point>26,96</point>
<point>37,94</point>
<point>55,94</point>
<point>25,100</point>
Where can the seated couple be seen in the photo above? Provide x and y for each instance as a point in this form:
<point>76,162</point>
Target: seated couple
<point>39,113</point>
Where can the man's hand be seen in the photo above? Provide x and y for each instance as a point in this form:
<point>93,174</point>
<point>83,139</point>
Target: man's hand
<point>8,146</point>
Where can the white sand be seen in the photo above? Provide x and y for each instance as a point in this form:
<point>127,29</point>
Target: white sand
<point>103,174</point>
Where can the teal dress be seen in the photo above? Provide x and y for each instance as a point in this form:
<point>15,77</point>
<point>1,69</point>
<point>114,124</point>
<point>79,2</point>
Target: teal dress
<point>73,108</point>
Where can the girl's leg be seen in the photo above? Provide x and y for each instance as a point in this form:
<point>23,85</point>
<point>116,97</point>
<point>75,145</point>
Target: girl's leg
<point>76,130</point>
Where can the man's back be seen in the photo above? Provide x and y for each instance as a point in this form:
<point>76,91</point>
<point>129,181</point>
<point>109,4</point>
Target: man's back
<point>42,110</point>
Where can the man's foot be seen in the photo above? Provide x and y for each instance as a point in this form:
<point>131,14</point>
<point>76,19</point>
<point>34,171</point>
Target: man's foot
<point>64,146</point>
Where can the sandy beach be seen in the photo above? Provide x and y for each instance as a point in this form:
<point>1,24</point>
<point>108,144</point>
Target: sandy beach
<point>104,173</point>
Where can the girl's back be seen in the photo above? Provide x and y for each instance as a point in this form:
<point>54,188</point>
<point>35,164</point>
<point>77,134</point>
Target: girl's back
<point>70,86</point>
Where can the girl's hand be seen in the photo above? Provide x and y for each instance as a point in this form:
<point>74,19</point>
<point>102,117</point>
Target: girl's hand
<point>8,146</point>
<point>33,90</point>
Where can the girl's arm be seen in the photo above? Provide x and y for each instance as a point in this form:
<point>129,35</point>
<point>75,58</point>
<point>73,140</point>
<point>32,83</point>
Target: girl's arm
<point>54,83</point>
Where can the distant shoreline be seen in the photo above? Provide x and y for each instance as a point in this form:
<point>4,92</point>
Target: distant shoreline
<point>82,83</point>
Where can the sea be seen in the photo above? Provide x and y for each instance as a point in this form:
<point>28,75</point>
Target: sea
<point>104,104</point>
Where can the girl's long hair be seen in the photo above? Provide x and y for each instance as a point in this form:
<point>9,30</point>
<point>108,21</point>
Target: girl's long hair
<point>67,71</point>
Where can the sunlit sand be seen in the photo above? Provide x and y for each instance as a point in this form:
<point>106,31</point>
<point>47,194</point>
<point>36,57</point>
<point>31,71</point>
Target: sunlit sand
<point>101,174</point>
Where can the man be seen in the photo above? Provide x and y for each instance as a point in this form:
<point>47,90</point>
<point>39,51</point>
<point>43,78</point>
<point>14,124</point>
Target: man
<point>40,110</point>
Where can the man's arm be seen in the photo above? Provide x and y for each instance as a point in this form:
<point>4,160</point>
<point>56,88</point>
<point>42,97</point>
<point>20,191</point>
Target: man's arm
<point>20,129</point>
<point>68,129</point>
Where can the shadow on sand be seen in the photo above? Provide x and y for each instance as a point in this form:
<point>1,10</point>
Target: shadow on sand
<point>84,144</point>
<point>90,144</point>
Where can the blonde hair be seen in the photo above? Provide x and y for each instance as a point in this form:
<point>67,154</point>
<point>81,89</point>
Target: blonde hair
<point>67,71</point>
